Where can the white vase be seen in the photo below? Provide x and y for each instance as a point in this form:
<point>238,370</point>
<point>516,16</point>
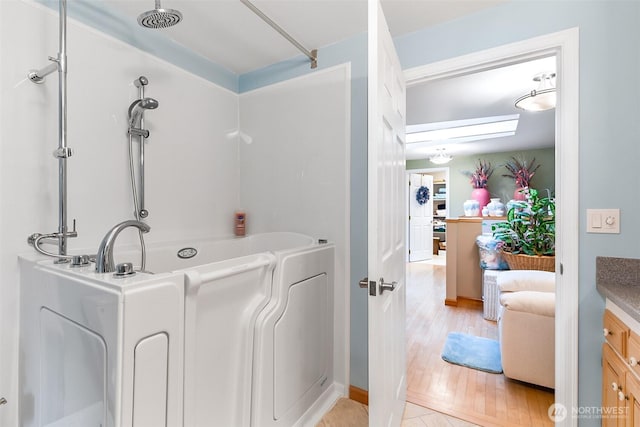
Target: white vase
<point>471,208</point>
<point>496,208</point>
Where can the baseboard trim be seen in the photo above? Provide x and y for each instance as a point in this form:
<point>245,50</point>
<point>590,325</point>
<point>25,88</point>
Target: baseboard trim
<point>451,302</point>
<point>471,300</point>
<point>321,406</point>
<point>359,395</point>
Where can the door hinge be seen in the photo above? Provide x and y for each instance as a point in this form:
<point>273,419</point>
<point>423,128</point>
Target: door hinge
<point>409,217</point>
<point>561,269</point>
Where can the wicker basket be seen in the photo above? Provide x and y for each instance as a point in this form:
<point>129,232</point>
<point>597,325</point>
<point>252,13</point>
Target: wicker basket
<point>530,262</point>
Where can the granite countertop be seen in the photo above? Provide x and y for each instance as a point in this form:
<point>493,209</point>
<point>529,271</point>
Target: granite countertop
<point>618,279</point>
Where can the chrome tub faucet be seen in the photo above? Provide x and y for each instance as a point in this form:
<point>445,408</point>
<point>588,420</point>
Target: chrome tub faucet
<point>104,259</point>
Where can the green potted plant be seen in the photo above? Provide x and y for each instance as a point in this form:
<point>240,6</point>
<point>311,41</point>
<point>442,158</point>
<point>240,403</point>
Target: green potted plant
<point>527,238</point>
<point>521,171</point>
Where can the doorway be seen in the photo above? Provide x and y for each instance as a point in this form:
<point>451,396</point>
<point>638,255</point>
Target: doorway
<point>430,380</point>
<point>432,241</point>
<point>564,46</point>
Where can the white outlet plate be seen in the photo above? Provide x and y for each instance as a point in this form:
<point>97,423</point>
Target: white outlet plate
<point>603,221</point>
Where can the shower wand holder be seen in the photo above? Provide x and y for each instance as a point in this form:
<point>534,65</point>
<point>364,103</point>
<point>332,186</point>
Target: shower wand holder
<point>139,132</point>
<point>63,153</point>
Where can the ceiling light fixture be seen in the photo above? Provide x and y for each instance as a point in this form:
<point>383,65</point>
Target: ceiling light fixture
<point>441,158</point>
<point>540,99</point>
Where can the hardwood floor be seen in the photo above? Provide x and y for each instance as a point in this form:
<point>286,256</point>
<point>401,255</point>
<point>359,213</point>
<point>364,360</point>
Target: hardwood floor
<point>475,396</point>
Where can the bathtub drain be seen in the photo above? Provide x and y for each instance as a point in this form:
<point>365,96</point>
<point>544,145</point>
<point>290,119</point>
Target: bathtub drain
<point>186,253</point>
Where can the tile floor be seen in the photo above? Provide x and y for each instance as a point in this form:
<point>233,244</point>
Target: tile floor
<point>349,413</point>
<point>417,416</point>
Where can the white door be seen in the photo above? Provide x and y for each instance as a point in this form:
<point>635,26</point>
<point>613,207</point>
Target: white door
<point>387,206</point>
<point>420,219</point>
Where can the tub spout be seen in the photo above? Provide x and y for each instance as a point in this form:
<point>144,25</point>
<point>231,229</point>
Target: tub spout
<point>104,258</point>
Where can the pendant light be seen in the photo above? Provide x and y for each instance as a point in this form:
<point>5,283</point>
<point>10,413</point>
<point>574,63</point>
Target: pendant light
<point>441,158</point>
<point>540,99</point>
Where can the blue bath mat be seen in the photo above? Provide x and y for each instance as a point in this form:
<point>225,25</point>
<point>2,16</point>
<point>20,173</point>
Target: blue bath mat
<point>473,352</point>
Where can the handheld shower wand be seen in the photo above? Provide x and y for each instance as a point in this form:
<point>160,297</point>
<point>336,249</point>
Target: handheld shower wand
<point>136,128</point>
<point>136,109</point>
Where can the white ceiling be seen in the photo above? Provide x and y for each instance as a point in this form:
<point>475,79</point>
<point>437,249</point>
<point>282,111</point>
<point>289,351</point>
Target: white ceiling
<point>229,34</point>
<point>483,94</point>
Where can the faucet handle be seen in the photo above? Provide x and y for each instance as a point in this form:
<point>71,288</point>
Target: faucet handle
<point>80,260</point>
<point>124,269</point>
<point>73,232</point>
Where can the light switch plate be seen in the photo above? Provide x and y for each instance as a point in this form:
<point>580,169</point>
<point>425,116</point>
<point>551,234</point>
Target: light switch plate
<point>603,221</point>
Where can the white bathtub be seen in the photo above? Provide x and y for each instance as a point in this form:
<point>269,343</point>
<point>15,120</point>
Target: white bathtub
<point>238,333</point>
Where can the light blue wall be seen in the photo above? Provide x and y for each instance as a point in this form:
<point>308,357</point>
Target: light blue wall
<point>609,127</point>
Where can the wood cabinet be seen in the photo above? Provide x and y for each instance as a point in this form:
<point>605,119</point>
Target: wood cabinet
<point>614,388</point>
<point>464,275</point>
<point>633,352</point>
<point>620,380</point>
<point>615,332</point>
<point>633,402</point>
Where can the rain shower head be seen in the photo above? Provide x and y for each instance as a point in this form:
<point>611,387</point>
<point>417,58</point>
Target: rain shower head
<point>137,107</point>
<point>159,17</point>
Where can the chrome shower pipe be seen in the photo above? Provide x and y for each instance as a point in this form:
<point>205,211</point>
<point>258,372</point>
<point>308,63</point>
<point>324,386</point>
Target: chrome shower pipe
<point>143,212</point>
<point>63,151</point>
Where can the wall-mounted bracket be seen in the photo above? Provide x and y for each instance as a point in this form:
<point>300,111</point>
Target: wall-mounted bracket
<point>312,55</point>
<point>37,76</point>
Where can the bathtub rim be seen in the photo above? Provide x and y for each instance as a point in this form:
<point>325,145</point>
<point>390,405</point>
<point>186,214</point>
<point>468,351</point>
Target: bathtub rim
<point>117,283</point>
